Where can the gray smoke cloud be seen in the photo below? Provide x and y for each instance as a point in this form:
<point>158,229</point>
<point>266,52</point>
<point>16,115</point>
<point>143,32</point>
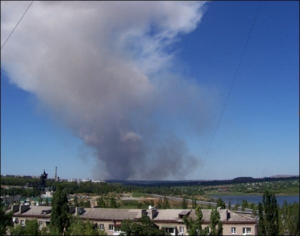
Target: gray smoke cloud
<point>105,70</point>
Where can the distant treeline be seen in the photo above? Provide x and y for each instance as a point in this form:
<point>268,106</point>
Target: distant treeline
<point>32,182</point>
<point>237,180</point>
<point>27,181</point>
<point>146,187</point>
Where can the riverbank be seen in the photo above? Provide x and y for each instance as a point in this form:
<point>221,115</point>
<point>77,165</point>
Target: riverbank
<point>210,194</point>
<point>237,199</point>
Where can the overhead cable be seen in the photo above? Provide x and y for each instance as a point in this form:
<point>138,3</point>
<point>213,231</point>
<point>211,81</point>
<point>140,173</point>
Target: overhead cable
<point>231,87</point>
<point>16,25</point>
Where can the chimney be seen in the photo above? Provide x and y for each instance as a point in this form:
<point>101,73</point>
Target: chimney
<point>153,212</point>
<point>79,211</point>
<point>227,215</point>
<point>15,208</point>
<point>144,212</point>
<point>24,208</point>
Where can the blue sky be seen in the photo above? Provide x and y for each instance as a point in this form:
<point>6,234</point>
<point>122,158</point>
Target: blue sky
<point>258,134</point>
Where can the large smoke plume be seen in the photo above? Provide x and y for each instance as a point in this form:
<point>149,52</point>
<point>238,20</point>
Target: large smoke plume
<point>106,69</point>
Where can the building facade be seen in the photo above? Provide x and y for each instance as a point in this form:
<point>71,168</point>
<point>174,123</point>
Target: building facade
<point>169,220</point>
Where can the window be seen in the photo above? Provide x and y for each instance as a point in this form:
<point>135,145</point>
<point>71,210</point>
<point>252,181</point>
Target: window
<point>181,229</point>
<point>111,227</point>
<point>169,230</point>
<point>101,226</point>
<point>23,222</point>
<point>233,230</point>
<point>247,230</point>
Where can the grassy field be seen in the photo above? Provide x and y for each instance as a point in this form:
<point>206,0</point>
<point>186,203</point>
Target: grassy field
<point>128,207</point>
<point>231,193</point>
<point>137,194</point>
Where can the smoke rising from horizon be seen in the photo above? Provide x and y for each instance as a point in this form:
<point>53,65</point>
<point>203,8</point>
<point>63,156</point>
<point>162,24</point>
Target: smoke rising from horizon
<point>105,70</point>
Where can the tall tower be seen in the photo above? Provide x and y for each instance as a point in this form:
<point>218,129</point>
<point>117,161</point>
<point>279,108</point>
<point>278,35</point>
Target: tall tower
<point>55,177</point>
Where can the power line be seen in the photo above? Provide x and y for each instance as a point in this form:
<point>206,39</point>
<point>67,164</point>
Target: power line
<point>233,81</point>
<point>16,25</point>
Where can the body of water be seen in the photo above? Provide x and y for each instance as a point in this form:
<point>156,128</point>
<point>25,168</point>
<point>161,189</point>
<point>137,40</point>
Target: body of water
<point>237,199</point>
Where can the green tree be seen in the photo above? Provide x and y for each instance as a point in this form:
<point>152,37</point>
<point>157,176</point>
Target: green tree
<point>31,228</point>
<point>268,215</point>
<point>194,227</point>
<point>159,204</point>
<point>289,219</point>
<point>60,210</point>
<point>294,223</point>
<point>76,204</point>
<point>254,209</point>
<point>261,220</point>
<point>5,220</point>
<point>216,226</point>
<point>252,206</point>
<point>79,227</point>
<point>229,205</point>
<point>194,203</point>
<point>271,213</point>
<point>144,226</point>
<point>87,204</point>
<point>50,230</point>
<point>17,230</point>
<point>221,203</point>
<point>101,203</point>
<point>236,207</point>
<point>45,231</point>
<point>184,203</point>
<point>166,204</point>
<point>113,203</point>
<point>126,226</point>
<point>244,204</point>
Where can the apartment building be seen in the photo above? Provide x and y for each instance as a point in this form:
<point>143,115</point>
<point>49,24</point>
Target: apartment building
<point>170,220</point>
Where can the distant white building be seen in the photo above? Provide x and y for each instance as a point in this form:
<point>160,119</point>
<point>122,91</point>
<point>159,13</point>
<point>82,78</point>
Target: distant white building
<point>97,181</point>
<point>85,180</point>
<point>71,180</point>
<point>48,194</point>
